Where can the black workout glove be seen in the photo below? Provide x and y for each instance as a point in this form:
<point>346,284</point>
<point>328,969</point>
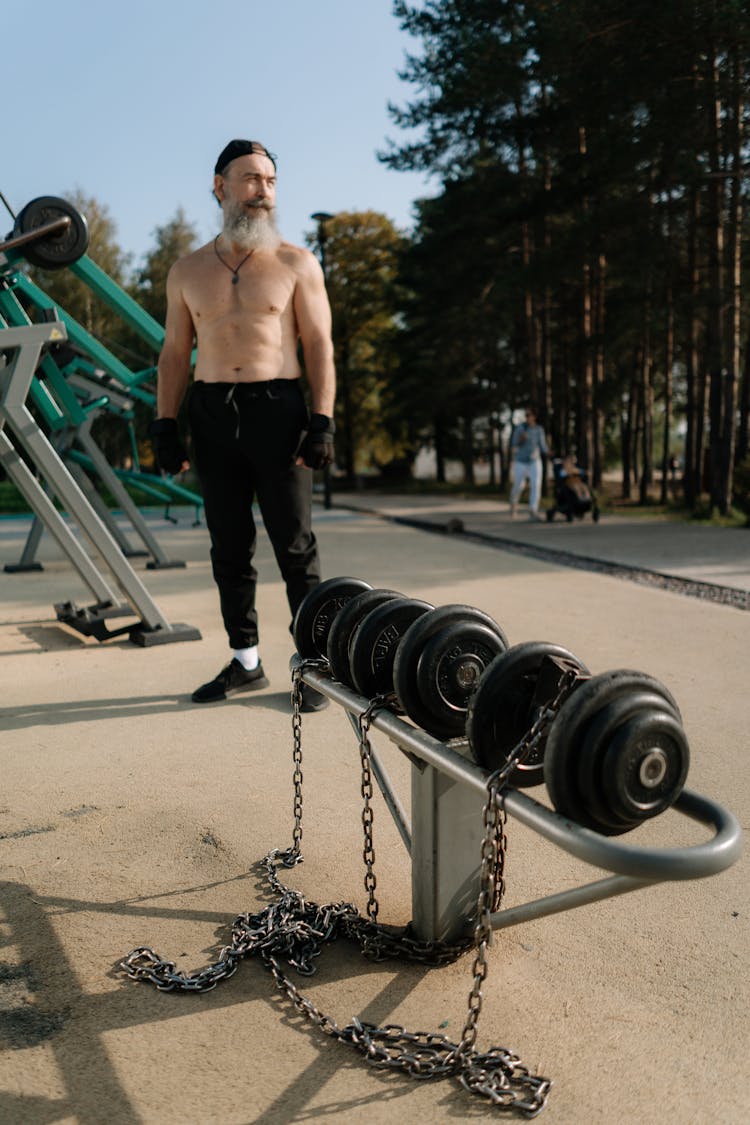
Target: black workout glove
<point>316,447</point>
<point>169,451</point>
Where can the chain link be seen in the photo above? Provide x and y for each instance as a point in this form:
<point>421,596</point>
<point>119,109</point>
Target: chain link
<point>294,931</point>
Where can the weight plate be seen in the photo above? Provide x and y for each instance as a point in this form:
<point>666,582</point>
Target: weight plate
<point>374,643</point>
<point>506,704</point>
<point>420,633</point>
<point>646,765</point>
<point>566,735</point>
<point>316,613</point>
<point>342,629</point>
<point>594,744</point>
<point>448,673</point>
<point>52,251</point>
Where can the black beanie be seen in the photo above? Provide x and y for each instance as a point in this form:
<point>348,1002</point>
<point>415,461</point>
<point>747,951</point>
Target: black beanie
<point>240,148</point>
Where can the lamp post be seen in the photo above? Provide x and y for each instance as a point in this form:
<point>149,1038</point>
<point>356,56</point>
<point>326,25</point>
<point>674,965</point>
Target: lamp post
<point>321,237</point>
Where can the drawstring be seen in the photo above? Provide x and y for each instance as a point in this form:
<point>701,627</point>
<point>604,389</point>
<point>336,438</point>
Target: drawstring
<point>229,399</point>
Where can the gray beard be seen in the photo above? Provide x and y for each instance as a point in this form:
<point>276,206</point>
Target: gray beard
<point>251,229</point>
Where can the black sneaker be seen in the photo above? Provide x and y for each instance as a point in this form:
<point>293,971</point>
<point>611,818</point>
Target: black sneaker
<point>313,700</point>
<point>231,679</point>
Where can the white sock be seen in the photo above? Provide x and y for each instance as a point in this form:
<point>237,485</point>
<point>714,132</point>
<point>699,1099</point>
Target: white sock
<point>248,657</point>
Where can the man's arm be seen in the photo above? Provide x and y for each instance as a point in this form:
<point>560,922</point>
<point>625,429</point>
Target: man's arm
<point>174,372</point>
<point>174,360</point>
<point>313,315</point>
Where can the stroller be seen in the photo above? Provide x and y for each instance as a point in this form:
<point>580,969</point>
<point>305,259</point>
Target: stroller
<point>573,497</point>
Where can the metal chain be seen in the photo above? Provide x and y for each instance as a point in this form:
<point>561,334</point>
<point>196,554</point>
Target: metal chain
<point>294,930</point>
<point>494,846</point>
<point>365,757</point>
<point>291,856</point>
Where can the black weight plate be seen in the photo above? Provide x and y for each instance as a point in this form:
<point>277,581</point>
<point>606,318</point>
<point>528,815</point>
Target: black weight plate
<point>500,711</point>
<point>568,730</point>
<point>53,251</point>
<point>374,644</point>
<point>316,613</point>
<point>428,626</point>
<point>448,673</point>
<point>342,629</point>
<point>646,765</point>
<point>594,744</point>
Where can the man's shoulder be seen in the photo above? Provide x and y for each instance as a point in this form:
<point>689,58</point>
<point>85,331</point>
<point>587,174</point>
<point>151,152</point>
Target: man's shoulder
<point>297,258</point>
<point>191,262</point>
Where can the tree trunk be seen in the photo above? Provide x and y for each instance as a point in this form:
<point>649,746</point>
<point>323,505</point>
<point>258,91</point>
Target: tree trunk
<point>492,450</point>
<point>439,450</point>
<point>732,375</point>
<point>467,448</point>
<point>503,452</point>
<point>629,431</point>
<point>545,396</point>
<point>666,459</point>
<point>646,398</point>
<point>637,430</point>
<point>693,443</point>
<point>625,451</point>
<point>530,320</point>
<point>715,341</point>
<point>346,408</point>
<point>585,441</point>
<point>742,433</point>
<point>647,433</point>
<point>599,326</point>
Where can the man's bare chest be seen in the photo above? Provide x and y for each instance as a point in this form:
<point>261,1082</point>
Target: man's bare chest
<point>217,294</point>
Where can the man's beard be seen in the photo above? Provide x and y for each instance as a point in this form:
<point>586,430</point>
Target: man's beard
<point>251,228</point>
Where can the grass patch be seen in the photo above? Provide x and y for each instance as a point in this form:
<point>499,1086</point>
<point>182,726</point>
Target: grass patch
<point>11,501</point>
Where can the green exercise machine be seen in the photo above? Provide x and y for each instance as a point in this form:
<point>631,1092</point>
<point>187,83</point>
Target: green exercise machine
<point>51,233</point>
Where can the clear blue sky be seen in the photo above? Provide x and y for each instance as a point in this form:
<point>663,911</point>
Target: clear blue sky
<point>132,103</point>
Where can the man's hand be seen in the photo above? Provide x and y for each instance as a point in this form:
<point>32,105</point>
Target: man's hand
<point>316,448</point>
<point>169,451</point>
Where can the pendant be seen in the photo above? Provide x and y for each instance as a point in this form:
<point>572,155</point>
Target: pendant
<point>235,280</point>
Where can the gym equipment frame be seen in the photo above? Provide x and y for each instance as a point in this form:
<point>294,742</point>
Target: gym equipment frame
<point>23,348</point>
<point>70,417</point>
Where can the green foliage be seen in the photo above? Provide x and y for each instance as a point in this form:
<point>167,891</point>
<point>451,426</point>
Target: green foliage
<point>174,240</point>
<point>11,500</point>
<point>361,263</point>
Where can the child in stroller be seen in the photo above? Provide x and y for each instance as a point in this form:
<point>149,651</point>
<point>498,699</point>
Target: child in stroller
<point>573,497</point>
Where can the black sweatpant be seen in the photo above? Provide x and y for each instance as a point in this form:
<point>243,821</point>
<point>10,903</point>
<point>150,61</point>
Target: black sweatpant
<point>244,439</point>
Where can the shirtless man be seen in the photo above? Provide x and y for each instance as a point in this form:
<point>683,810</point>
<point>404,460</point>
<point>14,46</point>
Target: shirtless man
<point>245,299</point>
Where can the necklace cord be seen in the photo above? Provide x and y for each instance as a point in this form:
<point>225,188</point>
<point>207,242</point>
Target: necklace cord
<point>232,270</point>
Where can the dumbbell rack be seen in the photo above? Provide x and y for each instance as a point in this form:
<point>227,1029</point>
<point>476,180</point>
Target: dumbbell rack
<point>448,793</point>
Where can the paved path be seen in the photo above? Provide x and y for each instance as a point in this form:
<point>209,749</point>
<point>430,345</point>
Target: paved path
<point>715,555</point>
<point>130,816</point>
